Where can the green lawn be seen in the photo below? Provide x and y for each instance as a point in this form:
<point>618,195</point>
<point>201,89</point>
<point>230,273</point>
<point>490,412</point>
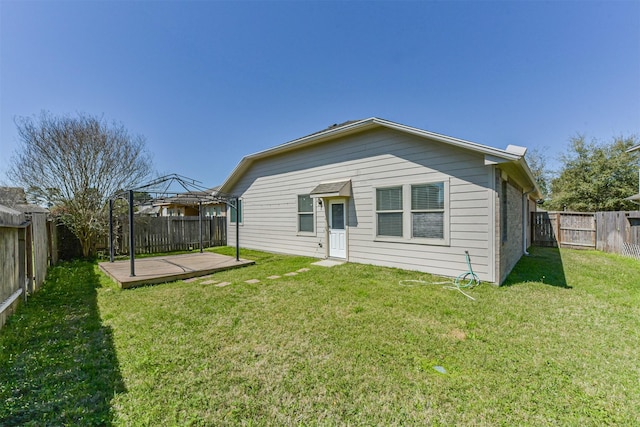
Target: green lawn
<point>558,345</point>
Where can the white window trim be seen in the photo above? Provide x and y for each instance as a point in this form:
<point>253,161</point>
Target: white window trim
<point>313,213</point>
<point>377,212</point>
<point>407,226</point>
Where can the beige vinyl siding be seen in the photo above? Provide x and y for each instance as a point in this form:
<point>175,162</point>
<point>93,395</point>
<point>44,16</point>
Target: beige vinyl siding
<point>372,159</point>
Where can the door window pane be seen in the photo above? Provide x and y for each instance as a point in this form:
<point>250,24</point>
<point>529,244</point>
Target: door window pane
<point>337,216</point>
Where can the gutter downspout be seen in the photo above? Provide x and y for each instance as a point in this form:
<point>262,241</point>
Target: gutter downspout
<point>525,217</point>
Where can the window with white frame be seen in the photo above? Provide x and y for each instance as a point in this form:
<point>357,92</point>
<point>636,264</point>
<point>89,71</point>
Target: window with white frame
<point>306,219</point>
<point>235,215</point>
<point>212,211</point>
<point>175,212</point>
<point>413,213</point>
<point>389,211</point>
<point>427,210</point>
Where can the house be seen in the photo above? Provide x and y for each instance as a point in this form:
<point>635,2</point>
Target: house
<point>377,192</point>
<point>16,198</point>
<point>189,204</point>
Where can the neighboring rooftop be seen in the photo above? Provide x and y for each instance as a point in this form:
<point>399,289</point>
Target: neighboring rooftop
<point>191,197</point>
<point>15,198</point>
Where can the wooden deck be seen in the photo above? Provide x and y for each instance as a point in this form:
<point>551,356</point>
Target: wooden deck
<point>169,268</point>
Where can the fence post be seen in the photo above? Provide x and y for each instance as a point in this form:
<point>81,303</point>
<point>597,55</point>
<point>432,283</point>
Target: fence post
<point>29,256</point>
<point>237,231</point>
<point>132,256</point>
<point>200,222</point>
<point>22,261</point>
<point>110,230</point>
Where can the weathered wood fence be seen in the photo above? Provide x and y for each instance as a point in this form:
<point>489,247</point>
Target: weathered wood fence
<point>619,232</point>
<point>168,234</point>
<point>564,229</point>
<point>616,232</point>
<point>27,248</point>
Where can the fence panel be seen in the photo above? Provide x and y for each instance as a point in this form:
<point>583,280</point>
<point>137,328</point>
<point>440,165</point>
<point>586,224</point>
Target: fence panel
<point>619,232</point>
<point>545,228</point>
<point>577,230</point>
<point>40,236</point>
<point>565,229</point>
<point>12,277</point>
<point>168,234</point>
<point>25,255</point>
<point>616,232</point>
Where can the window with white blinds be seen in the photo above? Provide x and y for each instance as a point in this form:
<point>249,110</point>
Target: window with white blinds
<point>305,214</point>
<point>427,210</point>
<point>389,211</point>
<point>413,213</point>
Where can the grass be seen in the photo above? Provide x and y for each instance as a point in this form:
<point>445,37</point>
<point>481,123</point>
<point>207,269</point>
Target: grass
<point>347,345</point>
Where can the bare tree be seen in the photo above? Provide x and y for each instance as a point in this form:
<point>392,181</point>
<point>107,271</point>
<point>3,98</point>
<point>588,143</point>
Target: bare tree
<point>74,165</point>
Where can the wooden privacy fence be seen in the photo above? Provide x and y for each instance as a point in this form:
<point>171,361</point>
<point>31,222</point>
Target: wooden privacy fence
<point>619,232</point>
<point>27,248</point>
<point>616,232</point>
<point>564,229</point>
<point>168,234</point>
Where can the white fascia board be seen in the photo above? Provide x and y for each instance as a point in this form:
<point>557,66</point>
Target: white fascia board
<point>535,190</point>
<point>229,181</point>
<point>634,148</point>
<point>493,160</point>
<point>474,146</point>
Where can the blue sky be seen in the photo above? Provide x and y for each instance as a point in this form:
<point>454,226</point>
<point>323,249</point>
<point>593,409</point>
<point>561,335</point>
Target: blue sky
<point>209,82</point>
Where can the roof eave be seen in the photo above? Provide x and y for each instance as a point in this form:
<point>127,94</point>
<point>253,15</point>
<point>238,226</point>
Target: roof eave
<point>634,148</point>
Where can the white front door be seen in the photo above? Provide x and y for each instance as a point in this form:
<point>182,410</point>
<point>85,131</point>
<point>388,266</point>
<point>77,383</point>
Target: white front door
<point>337,229</point>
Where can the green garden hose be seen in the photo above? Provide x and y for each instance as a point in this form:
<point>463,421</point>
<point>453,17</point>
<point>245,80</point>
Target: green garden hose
<point>468,279</point>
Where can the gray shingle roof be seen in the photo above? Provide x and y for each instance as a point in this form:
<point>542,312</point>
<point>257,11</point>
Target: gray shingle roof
<point>15,198</point>
<point>330,187</point>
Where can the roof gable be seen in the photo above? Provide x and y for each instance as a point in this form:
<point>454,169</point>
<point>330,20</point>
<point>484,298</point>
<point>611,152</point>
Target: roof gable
<point>492,155</point>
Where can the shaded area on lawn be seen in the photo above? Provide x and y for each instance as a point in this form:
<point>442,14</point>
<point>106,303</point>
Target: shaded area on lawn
<point>57,360</point>
<point>543,265</point>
